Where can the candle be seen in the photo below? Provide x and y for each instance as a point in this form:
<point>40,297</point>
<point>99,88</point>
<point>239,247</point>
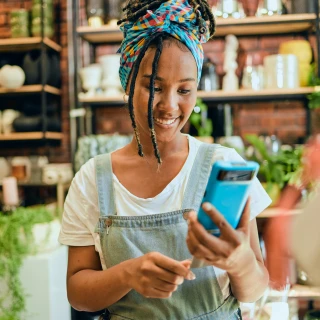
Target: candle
<point>10,191</point>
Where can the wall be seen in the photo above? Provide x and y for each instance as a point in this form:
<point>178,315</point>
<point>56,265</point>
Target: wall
<point>287,119</point>
<point>62,152</point>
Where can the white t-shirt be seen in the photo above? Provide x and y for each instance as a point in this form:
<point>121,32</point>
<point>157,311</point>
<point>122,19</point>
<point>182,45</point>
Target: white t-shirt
<point>81,209</point>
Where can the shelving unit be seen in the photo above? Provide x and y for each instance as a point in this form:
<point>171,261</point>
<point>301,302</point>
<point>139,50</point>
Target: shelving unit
<point>30,89</point>
<point>220,96</point>
<point>26,44</point>
<point>41,89</point>
<point>25,136</point>
<point>291,23</point>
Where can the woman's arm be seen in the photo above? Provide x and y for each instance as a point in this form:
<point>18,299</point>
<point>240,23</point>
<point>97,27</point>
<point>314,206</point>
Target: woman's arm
<point>236,251</point>
<point>249,284</point>
<point>92,289</point>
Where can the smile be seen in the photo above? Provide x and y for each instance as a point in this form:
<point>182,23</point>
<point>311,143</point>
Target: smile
<point>165,121</point>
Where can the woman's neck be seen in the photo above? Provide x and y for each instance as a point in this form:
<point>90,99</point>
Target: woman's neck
<point>166,148</point>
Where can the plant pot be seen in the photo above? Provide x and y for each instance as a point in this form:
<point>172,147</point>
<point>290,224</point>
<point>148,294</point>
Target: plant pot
<point>208,139</point>
<point>274,192</point>
<point>312,315</point>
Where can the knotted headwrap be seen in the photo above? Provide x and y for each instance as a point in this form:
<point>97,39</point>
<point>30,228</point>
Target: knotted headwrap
<point>175,17</point>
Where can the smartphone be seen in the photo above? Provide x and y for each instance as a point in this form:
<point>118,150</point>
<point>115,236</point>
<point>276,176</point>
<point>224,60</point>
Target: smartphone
<point>228,190</point>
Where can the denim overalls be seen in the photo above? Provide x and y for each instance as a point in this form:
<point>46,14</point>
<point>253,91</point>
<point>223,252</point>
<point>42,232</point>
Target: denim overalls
<point>127,237</point>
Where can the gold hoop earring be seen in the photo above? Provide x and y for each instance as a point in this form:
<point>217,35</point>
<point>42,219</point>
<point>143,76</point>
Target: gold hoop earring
<point>125,98</point>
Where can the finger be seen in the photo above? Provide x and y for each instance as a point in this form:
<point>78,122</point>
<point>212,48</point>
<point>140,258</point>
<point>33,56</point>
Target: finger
<point>187,263</point>
<point>197,249</point>
<point>168,276</point>
<point>199,235</point>
<point>245,218</point>
<point>164,285</point>
<point>156,293</point>
<point>225,228</point>
<point>172,265</point>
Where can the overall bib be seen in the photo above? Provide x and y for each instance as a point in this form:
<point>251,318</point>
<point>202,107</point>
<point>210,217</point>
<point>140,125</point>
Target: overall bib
<point>127,237</point>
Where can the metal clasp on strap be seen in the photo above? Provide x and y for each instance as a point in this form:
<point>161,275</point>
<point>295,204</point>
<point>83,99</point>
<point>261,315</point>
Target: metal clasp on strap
<point>108,223</point>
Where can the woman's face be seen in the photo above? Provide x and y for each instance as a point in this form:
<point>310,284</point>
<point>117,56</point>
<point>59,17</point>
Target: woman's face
<point>175,91</point>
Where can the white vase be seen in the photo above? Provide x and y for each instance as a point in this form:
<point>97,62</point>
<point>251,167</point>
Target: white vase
<point>110,80</point>
<point>11,77</point>
<point>91,79</point>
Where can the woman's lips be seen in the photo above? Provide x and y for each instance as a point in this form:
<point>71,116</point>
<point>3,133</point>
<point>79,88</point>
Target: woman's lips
<point>165,123</point>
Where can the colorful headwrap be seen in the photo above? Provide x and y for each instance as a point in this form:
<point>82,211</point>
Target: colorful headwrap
<point>175,17</point>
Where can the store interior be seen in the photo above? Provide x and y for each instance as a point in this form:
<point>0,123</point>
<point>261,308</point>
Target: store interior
<point>61,104</point>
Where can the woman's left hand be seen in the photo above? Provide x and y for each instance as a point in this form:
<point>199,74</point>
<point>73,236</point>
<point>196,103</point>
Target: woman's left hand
<point>231,250</point>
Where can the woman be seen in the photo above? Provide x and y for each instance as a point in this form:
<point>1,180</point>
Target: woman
<point>125,217</point>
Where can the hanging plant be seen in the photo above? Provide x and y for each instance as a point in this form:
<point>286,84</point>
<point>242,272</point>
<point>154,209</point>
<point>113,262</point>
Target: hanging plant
<point>16,243</point>
<point>314,81</point>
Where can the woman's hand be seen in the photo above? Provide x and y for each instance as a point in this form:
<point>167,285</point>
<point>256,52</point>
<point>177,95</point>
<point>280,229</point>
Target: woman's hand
<point>154,275</point>
<point>231,250</point>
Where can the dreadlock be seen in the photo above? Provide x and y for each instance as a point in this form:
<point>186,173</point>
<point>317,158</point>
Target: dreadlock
<point>133,11</point>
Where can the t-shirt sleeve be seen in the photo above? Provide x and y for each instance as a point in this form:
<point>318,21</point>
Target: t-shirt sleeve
<point>259,197</point>
<point>81,211</point>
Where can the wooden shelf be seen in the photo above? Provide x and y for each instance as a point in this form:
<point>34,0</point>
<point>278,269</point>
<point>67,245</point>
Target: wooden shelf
<point>274,212</point>
<point>277,24</point>
<point>221,96</point>
<point>290,23</point>
<point>302,292</point>
<point>25,136</point>
<point>30,89</point>
<point>26,44</point>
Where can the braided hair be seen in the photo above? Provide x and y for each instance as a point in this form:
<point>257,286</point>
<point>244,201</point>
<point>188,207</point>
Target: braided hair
<point>133,11</point>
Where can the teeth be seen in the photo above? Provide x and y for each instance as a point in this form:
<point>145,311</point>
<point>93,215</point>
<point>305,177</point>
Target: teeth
<point>162,121</point>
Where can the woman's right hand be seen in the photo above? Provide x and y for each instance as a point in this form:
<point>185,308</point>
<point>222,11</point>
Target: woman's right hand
<point>154,275</point>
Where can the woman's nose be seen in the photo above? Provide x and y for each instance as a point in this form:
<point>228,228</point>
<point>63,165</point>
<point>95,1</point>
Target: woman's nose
<point>169,102</point>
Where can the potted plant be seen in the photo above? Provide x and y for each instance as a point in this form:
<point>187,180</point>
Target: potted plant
<point>276,170</point>
<point>19,234</point>
<point>314,81</point>
<point>199,120</point>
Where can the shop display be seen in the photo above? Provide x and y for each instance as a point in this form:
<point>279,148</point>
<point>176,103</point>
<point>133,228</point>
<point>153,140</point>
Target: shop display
<point>95,13</point>
<point>25,123</point>
<point>36,18</point>
<point>19,23</point>
<point>54,173</point>
<point>10,192</point>
<point>209,79</point>
<point>11,77</point>
<point>230,65</point>
<point>8,116</point>
<point>281,71</point>
<point>303,51</point>
<point>270,7</point>
<point>253,76</point>
<point>91,80</point>
<point>229,8</point>
<point>110,75</point>
<point>21,168</point>
<point>31,65</point>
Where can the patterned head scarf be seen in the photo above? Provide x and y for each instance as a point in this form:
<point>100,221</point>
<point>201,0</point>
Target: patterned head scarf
<point>174,17</point>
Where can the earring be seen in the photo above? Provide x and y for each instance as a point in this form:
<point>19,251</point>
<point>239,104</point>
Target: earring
<point>125,98</point>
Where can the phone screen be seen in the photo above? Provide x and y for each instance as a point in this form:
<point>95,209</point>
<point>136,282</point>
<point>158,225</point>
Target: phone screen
<point>235,175</point>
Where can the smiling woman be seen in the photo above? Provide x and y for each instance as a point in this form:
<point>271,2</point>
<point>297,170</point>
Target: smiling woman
<point>125,216</point>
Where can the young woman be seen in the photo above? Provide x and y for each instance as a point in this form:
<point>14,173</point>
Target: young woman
<point>126,218</point>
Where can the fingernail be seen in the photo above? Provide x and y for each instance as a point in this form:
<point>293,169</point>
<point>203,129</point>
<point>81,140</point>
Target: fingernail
<point>191,276</point>
<point>207,206</point>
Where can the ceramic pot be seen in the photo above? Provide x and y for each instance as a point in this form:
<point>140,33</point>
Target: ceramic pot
<point>303,51</point>
<point>281,71</point>
<point>12,77</point>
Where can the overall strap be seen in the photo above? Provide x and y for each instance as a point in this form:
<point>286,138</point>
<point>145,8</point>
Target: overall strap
<point>199,177</point>
<point>104,182</point>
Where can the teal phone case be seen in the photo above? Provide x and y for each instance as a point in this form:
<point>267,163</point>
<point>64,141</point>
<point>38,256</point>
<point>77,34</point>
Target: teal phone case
<point>228,196</point>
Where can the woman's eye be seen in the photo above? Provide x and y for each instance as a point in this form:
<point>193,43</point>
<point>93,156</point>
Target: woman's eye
<point>157,89</point>
<point>184,91</point>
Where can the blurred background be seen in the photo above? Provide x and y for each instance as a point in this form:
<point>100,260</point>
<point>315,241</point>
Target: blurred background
<point>61,103</point>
